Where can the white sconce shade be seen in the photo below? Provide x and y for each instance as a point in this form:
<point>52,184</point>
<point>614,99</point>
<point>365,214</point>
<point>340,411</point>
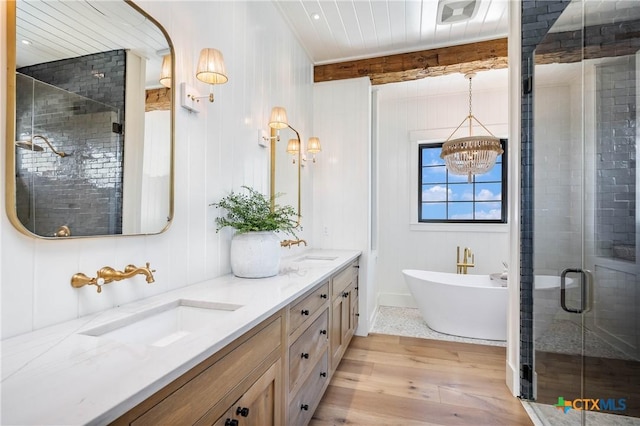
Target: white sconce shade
<point>165,71</point>
<point>293,146</point>
<point>211,67</point>
<point>313,146</point>
<point>278,118</point>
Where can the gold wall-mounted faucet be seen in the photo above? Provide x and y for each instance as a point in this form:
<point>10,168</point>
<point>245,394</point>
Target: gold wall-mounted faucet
<point>107,274</point>
<point>467,256</point>
<point>289,243</point>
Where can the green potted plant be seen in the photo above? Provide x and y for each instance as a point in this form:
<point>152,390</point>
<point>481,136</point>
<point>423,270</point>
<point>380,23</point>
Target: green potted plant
<point>255,248</point>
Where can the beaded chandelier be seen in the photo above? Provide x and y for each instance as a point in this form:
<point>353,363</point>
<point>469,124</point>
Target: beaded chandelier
<point>471,155</point>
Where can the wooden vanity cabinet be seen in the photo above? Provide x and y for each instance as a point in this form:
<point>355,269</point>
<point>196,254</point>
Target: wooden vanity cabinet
<point>246,373</point>
<point>275,374</point>
<point>344,318</point>
<point>304,402</point>
<point>258,404</point>
<point>308,343</point>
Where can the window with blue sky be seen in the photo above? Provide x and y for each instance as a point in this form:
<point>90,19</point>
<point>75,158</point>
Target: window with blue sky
<point>445,197</point>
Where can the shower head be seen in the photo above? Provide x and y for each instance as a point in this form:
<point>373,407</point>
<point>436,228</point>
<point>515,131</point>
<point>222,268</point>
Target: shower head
<point>31,146</point>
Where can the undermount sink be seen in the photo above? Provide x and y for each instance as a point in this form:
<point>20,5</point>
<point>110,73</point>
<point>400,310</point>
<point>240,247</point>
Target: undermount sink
<point>163,325</point>
<point>312,258</point>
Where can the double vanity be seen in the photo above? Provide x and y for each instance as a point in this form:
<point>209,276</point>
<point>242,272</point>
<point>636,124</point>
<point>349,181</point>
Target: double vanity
<point>227,351</point>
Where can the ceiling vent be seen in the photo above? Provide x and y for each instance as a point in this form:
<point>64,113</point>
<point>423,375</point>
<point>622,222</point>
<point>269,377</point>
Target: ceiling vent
<point>451,11</point>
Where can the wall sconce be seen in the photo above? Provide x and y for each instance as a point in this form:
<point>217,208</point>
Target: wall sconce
<point>313,147</point>
<point>210,70</point>
<point>293,147</point>
<point>165,71</point>
<point>279,121</point>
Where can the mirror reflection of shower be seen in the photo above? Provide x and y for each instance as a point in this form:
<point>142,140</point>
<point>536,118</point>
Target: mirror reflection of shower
<point>68,161</point>
<point>28,144</point>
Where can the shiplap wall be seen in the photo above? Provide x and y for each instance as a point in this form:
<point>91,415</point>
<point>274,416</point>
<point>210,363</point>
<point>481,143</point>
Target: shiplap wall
<point>341,178</point>
<point>216,151</point>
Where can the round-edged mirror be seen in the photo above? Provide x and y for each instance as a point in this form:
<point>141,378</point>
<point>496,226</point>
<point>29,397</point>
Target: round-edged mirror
<point>89,145</point>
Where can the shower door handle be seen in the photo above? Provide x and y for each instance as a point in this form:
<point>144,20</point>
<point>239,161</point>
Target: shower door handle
<point>584,277</point>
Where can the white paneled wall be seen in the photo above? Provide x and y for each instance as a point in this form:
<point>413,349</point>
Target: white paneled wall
<point>341,176</point>
<point>427,108</point>
<point>216,151</point>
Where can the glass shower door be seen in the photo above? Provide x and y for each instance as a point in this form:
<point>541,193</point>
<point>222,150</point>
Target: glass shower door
<point>586,286</point>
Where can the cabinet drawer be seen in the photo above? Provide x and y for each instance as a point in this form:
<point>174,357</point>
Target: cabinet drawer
<point>343,279</point>
<point>306,350</point>
<point>305,308</point>
<point>303,405</point>
<point>191,401</point>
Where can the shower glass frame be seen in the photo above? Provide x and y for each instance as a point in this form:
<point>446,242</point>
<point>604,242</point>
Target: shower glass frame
<point>570,157</point>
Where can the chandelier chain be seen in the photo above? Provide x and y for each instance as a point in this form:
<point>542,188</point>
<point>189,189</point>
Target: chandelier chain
<point>470,99</point>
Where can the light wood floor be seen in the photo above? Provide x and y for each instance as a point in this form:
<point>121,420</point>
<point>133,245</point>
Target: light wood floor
<point>393,380</point>
<point>559,375</point>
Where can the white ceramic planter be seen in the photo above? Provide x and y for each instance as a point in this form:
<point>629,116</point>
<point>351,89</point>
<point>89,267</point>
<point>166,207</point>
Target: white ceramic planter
<point>255,254</point>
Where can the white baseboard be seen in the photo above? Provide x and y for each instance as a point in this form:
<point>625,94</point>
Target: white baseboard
<point>513,379</point>
<point>396,300</point>
<point>363,327</point>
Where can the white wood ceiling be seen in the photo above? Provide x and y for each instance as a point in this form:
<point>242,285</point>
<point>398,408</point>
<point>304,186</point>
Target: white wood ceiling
<point>60,29</point>
<point>346,29</point>
<point>355,29</point>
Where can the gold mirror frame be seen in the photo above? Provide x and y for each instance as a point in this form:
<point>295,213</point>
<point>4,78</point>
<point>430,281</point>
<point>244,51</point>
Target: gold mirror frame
<point>10,157</point>
<point>272,189</point>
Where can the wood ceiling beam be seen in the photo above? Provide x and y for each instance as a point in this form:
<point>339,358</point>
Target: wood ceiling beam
<point>483,55</point>
<point>158,99</point>
<point>593,42</point>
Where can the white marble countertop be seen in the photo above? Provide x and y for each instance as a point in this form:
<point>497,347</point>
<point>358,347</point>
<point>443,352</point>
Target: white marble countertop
<point>57,376</point>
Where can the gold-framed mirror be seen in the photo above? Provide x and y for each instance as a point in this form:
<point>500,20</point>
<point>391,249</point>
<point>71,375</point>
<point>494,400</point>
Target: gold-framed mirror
<point>286,171</point>
<point>90,129</point>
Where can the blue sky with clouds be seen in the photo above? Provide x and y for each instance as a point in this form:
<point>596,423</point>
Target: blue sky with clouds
<point>459,193</point>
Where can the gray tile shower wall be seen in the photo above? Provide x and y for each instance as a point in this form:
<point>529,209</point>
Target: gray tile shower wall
<point>99,77</point>
<point>537,17</point>
<point>616,159</point>
<point>73,103</point>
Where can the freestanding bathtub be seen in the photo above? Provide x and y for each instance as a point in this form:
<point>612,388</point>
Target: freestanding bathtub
<point>476,305</point>
<point>462,305</point>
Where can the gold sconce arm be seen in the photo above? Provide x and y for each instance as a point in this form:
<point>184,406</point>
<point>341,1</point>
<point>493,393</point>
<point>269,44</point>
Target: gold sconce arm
<point>108,274</point>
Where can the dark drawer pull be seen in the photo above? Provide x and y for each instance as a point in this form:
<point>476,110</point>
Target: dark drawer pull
<point>305,312</point>
<point>323,296</point>
<point>304,355</point>
<point>231,422</point>
<point>323,374</point>
<point>345,294</point>
<point>304,407</point>
<point>242,411</point>
<point>323,331</point>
